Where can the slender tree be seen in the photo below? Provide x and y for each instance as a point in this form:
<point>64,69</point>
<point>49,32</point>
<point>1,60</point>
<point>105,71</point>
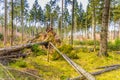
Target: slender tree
<point>5,32</point>
<point>62,29</point>
<point>22,11</point>
<point>12,22</point>
<point>94,24</point>
<point>72,29</point>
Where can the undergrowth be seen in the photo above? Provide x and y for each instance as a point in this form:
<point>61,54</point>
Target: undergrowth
<point>1,36</point>
<point>61,70</point>
<point>37,51</point>
<point>86,42</point>
<point>65,49</point>
<point>114,46</point>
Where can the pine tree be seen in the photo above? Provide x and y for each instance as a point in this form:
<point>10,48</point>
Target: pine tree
<point>5,32</point>
<point>12,29</point>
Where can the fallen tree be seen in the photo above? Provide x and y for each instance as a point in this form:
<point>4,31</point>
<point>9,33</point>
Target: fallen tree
<point>79,69</point>
<point>6,51</point>
<point>115,65</point>
<point>10,54</point>
<point>107,69</point>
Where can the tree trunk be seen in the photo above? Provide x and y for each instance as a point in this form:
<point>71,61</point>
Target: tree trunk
<point>62,34</point>
<point>5,32</point>
<point>4,51</point>
<point>75,24</point>
<point>119,28</point>
<point>12,24</point>
<point>114,32</point>
<point>22,3</point>
<point>2,28</point>
<point>36,29</point>
<point>104,29</point>
<point>94,25</point>
<point>59,28</point>
<point>72,30</point>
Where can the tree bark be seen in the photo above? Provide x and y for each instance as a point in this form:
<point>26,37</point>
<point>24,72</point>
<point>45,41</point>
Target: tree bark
<point>94,25</point>
<point>72,29</point>
<point>119,28</point>
<point>5,32</point>
<point>19,47</point>
<point>97,73</point>
<point>104,29</point>
<point>12,24</point>
<point>62,34</point>
<point>22,3</point>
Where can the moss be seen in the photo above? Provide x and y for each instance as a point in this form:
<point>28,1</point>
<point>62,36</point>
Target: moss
<point>61,70</point>
<point>20,63</point>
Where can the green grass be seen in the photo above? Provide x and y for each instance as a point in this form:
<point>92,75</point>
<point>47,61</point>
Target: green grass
<point>61,70</point>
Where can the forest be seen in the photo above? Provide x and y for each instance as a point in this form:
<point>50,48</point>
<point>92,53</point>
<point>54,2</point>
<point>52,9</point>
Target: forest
<point>59,39</point>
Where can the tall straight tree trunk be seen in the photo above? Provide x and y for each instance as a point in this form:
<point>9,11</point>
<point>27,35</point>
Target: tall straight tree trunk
<point>114,36</point>
<point>119,28</point>
<point>86,27</point>
<point>104,29</point>
<point>62,22</point>
<point>75,24</point>
<point>22,3</point>
<point>94,25</point>
<point>65,30</point>
<point>36,29</point>
<point>59,27</point>
<point>5,32</point>
<point>2,28</point>
<point>12,24</point>
<point>15,21</point>
<point>72,30</point>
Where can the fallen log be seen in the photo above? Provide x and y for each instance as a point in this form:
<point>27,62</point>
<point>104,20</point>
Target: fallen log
<point>79,69</point>
<point>108,66</point>
<point>96,73</point>
<point>117,52</point>
<point>12,53</point>
<point>13,56</point>
<point>6,71</point>
<point>106,70</point>
<point>20,47</point>
<point>24,72</point>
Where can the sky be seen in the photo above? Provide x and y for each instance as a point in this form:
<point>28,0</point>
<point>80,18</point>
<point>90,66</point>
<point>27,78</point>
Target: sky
<point>44,2</point>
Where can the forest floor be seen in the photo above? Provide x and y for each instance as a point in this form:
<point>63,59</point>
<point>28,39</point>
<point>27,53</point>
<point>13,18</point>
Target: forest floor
<point>61,70</point>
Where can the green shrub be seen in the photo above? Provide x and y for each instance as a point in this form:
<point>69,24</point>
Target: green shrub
<point>84,49</point>
<point>1,36</point>
<point>21,63</point>
<point>79,42</point>
<point>117,43</point>
<point>87,42</point>
<point>63,77</point>
<point>111,46</point>
<point>66,49</point>
<point>114,46</point>
<point>38,51</point>
<point>91,42</point>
